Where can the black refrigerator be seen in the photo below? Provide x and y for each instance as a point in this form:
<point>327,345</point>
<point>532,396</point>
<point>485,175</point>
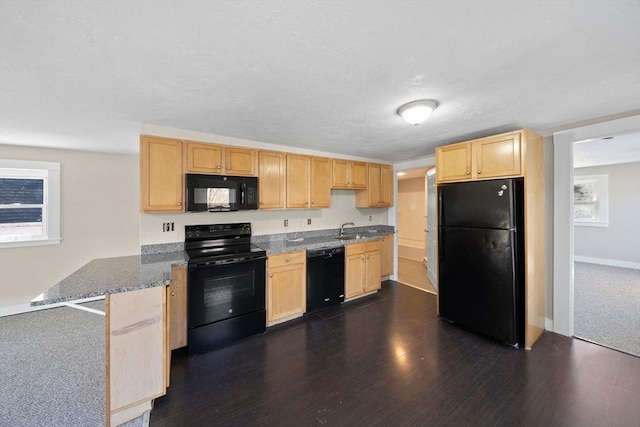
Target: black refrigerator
<point>481,257</point>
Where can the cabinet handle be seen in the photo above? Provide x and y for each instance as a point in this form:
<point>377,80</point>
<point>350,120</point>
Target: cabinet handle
<point>271,275</point>
<point>288,260</point>
<point>218,167</point>
<point>367,256</point>
<point>173,293</point>
<point>362,257</point>
<point>228,167</point>
<point>179,203</point>
<point>468,173</point>
<point>479,172</point>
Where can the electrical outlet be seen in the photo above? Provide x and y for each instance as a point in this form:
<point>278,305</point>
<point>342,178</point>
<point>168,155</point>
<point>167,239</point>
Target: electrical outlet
<point>286,222</point>
<point>168,226</point>
<point>370,218</point>
<point>308,221</point>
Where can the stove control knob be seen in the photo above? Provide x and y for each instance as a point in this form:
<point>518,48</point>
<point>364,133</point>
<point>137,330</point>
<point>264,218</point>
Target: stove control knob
<point>230,310</point>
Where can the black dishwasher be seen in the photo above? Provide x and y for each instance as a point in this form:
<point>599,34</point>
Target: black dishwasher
<point>325,278</point>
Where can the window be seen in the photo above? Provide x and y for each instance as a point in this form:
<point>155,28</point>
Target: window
<point>591,200</point>
<point>29,203</point>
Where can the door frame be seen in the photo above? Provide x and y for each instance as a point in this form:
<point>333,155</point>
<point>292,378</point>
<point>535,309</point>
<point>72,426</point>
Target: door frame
<point>392,213</point>
<point>563,233</point>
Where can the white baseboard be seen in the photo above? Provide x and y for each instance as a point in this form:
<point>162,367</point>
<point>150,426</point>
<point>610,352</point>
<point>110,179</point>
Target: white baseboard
<point>611,262</point>
<point>548,324</point>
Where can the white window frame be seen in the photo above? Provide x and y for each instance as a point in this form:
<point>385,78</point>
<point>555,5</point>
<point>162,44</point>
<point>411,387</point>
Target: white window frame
<point>50,171</point>
<point>602,202</point>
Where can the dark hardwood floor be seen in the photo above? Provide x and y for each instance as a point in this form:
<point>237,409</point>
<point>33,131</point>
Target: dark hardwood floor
<point>388,360</point>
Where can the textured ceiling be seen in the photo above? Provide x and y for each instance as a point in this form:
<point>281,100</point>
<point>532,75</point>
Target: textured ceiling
<point>324,75</point>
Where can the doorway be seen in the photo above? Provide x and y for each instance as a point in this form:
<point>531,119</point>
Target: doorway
<point>606,201</point>
<point>562,288</point>
<point>413,229</point>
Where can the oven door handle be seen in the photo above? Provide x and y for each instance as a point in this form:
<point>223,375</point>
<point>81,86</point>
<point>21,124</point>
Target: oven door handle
<point>228,261</point>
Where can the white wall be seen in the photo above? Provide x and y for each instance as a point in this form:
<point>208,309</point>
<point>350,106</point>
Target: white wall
<point>619,242</point>
<point>99,218</point>
<point>266,222</point>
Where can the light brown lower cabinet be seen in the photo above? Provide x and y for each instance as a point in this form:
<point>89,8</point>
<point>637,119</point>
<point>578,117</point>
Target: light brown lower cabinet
<point>386,255</point>
<point>362,268</point>
<point>136,352</point>
<point>177,307</point>
<point>286,286</point>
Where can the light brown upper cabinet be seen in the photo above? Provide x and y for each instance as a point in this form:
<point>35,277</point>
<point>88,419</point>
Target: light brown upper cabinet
<point>271,178</point>
<point>320,179</point>
<point>161,178</point>
<point>379,192</point>
<point>484,158</point>
<point>308,182</point>
<point>348,174</point>
<point>218,159</point>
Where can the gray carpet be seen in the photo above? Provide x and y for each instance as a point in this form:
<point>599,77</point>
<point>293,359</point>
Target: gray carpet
<point>52,368</point>
<point>607,306</point>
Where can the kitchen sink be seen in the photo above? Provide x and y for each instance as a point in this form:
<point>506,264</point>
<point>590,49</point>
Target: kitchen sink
<point>349,237</point>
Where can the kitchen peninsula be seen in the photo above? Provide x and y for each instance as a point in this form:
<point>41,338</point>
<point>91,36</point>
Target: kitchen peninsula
<point>136,335</point>
<point>139,296</point>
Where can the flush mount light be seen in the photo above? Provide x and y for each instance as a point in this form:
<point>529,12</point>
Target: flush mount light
<point>417,112</point>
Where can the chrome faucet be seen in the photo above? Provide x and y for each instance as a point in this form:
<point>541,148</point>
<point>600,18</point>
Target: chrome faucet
<point>343,226</point>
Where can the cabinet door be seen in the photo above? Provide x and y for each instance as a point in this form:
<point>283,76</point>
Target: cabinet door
<point>358,177</point>
<point>372,279</point>
<point>354,269</point>
<point>320,183</point>
<point>204,158</point>
<point>453,162</point>
<point>271,180</point>
<point>297,181</point>
<point>386,185</point>
<point>135,348</point>
<point>240,161</point>
<point>286,292</point>
<point>177,301</point>
<point>340,174</point>
<point>386,255</point>
<point>498,156</point>
<point>373,186</point>
<point>161,177</point>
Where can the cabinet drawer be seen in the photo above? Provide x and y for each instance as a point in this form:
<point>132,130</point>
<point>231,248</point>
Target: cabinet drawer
<point>289,258</point>
<point>354,248</point>
<point>373,246</point>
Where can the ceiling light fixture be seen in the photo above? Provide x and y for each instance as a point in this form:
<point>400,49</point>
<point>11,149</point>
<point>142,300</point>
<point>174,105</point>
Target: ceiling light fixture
<point>417,112</point>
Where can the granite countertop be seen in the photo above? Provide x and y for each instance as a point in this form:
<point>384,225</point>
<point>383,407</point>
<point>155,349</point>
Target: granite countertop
<point>113,275</point>
<point>317,242</point>
<point>153,268</point>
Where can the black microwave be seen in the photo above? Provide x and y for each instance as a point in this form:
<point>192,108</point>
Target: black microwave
<point>221,193</point>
